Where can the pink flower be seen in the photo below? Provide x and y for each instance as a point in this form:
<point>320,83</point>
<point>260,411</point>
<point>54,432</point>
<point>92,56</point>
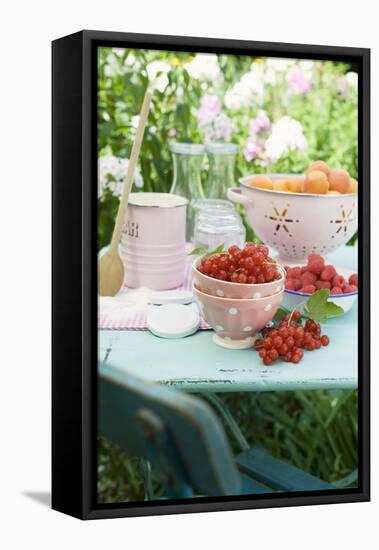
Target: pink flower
<point>172,132</point>
<point>252,150</point>
<point>211,103</point>
<point>258,124</point>
<point>210,107</point>
<point>298,81</point>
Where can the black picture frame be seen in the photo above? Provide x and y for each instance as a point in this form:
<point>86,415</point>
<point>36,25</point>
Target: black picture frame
<point>74,272</point>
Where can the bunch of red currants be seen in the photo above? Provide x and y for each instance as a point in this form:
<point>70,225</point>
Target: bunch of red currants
<point>289,338</point>
<point>251,265</point>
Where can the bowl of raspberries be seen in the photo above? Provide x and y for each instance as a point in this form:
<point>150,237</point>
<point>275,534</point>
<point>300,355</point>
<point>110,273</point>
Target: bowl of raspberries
<point>304,280</point>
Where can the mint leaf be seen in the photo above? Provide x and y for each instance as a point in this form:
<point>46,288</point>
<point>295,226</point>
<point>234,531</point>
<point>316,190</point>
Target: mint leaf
<point>216,250</point>
<point>319,308</point>
<point>200,251</point>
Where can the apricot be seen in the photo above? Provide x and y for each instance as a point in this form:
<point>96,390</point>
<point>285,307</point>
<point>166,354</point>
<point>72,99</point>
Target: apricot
<point>353,186</point>
<point>280,185</point>
<point>295,184</point>
<point>262,182</point>
<point>316,182</point>
<point>319,165</point>
<point>339,180</point>
<point>334,193</point>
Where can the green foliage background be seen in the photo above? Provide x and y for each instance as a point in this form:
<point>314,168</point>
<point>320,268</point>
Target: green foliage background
<point>316,431</point>
<point>329,119</point>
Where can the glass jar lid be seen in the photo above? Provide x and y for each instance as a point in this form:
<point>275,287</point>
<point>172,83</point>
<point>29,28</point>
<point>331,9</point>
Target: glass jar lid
<point>187,148</point>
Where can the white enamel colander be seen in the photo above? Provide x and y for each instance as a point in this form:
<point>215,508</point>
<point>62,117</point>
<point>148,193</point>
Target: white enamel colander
<point>294,224</point>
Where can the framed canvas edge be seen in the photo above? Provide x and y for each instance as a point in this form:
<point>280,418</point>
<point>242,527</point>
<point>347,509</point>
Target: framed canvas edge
<point>88,506</point>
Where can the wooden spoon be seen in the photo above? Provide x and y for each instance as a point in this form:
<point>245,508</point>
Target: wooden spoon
<point>111,267</point>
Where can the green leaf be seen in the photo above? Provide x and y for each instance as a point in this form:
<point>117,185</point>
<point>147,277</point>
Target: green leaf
<point>280,313</point>
<point>217,250</point>
<point>319,308</point>
<point>199,251</point>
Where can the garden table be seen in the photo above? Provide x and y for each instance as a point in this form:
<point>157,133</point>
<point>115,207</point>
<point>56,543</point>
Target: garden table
<point>196,364</point>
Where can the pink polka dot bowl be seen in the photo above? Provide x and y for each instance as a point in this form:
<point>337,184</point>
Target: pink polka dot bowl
<point>226,289</point>
<point>236,322</point>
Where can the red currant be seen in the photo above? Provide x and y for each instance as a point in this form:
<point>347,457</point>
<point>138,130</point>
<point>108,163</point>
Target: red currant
<point>325,340</point>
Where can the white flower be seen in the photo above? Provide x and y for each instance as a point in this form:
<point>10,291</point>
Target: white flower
<point>287,135</point>
<point>279,64</point>
<point>269,76</point>
<point>204,66</point>
<point>352,79</point>
<point>306,65</point>
<point>248,89</point>
<point>111,173</point>
<point>157,74</point>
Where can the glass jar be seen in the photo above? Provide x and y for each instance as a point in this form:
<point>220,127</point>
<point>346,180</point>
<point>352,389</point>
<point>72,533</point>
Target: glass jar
<point>217,222</point>
<point>221,158</point>
<point>187,163</point>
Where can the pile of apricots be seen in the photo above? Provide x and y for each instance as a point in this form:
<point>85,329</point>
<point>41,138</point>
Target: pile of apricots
<point>319,179</point>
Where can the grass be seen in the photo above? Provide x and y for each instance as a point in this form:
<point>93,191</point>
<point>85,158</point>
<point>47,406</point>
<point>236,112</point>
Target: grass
<point>316,431</point>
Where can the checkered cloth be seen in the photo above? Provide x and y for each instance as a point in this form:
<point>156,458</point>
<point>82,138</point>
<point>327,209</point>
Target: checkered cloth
<point>128,310</point>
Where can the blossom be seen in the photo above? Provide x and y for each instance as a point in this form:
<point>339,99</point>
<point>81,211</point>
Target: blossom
<point>252,149</point>
<point>171,132</point>
<point>299,82</point>
<point>287,135</point>
<point>223,128</point>
<point>306,65</point>
<point>210,107</point>
<point>260,123</point>
<point>204,67</point>
<point>157,74</point>
<point>248,89</point>
<point>217,125</point>
<point>111,174</point>
<point>280,64</point>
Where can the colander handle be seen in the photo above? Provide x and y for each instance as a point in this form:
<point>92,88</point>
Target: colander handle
<point>235,195</point>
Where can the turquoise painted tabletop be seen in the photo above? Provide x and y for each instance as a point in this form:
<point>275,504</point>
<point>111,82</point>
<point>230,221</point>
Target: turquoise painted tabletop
<point>196,364</point>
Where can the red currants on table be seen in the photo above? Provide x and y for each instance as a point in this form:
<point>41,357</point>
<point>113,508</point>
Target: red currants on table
<point>288,339</point>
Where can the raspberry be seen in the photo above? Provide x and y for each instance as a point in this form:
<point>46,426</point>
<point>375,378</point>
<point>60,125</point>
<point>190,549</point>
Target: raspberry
<point>309,289</point>
<point>294,273</point>
<point>291,284</point>
<point>322,284</point>
<point>336,290</point>
<point>308,278</point>
<point>315,263</point>
<point>347,289</point>
<point>328,273</point>
<point>338,280</point>
<point>353,279</point>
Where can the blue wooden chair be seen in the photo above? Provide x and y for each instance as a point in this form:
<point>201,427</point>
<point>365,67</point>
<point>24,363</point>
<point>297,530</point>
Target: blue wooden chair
<point>183,439</point>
